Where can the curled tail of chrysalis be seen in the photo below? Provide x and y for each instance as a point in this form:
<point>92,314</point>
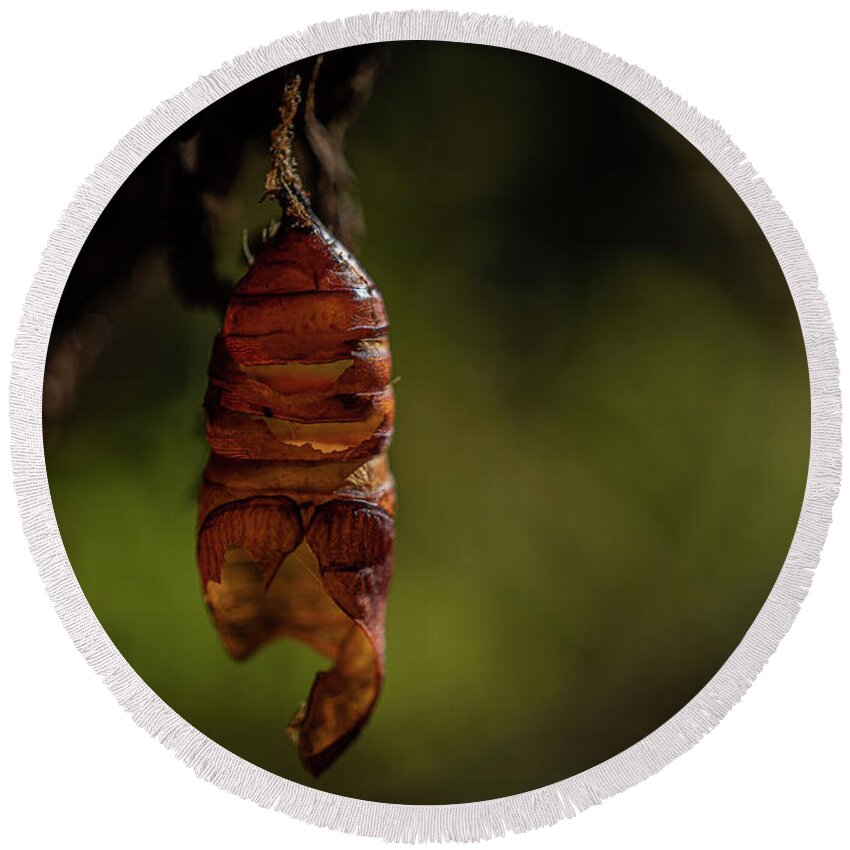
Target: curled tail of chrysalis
<point>295,533</point>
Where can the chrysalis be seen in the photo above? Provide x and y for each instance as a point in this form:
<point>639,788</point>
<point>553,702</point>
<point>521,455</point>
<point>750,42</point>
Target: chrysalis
<point>296,508</point>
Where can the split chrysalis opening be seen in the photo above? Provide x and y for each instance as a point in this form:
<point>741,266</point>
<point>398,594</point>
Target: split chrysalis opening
<point>249,611</point>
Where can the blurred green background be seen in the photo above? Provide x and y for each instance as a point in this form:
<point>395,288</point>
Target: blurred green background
<point>601,444</point>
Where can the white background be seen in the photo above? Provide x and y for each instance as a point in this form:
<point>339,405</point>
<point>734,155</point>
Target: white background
<point>77,76</point>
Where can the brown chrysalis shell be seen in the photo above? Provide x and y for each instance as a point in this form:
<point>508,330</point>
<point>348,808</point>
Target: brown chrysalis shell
<point>296,507</point>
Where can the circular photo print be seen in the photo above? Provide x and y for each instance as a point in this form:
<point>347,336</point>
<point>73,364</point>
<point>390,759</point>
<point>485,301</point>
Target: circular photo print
<point>426,422</point>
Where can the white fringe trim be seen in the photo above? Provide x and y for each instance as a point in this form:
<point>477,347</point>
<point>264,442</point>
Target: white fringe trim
<point>469,821</point>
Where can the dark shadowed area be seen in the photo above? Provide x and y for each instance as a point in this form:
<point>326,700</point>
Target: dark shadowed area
<point>601,441</point>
